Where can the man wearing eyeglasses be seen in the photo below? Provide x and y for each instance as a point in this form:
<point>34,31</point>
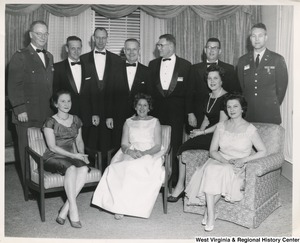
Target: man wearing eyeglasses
<point>263,77</point>
<point>100,64</point>
<point>198,83</point>
<point>30,77</point>
<point>132,79</point>
<point>69,74</point>
<point>169,76</point>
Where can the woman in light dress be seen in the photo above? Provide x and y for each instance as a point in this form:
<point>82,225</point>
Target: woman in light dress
<point>130,185</point>
<point>223,173</point>
<point>213,111</point>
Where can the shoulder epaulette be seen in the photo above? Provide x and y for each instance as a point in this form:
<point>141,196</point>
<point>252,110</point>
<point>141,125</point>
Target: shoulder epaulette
<point>21,50</point>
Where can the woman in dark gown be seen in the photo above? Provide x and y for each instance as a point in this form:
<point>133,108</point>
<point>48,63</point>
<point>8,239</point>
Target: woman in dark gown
<point>65,154</point>
<point>213,110</point>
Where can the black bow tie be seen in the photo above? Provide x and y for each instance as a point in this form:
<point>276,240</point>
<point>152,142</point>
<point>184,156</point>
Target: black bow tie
<point>100,52</point>
<point>74,63</point>
<point>39,50</point>
<point>211,63</point>
<point>130,64</point>
<point>166,59</point>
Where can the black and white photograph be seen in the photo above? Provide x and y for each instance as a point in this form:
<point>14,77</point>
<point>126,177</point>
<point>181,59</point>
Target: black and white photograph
<point>150,121</point>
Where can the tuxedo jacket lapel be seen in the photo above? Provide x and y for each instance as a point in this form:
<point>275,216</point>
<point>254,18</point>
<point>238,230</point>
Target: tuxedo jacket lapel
<point>137,77</point>
<point>126,79</point>
<point>82,78</point>
<point>70,76</point>
<point>174,77</point>
<point>157,75</point>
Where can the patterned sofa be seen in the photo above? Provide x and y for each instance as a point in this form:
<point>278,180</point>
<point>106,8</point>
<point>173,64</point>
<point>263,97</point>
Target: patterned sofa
<point>261,195</point>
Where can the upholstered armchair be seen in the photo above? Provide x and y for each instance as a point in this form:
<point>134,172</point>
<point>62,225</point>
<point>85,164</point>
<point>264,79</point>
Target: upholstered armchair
<point>261,195</point>
<point>43,182</point>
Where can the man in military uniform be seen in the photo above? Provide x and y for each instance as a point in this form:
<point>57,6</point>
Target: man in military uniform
<point>30,77</point>
<point>263,77</point>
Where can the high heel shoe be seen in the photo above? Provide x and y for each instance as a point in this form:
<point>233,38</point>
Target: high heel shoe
<point>75,224</point>
<point>208,228</point>
<point>204,220</point>
<point>59,219</point>
<point>175,199</point>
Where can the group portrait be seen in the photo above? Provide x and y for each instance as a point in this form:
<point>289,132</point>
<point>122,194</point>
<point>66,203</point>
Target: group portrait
<point>139,121</point>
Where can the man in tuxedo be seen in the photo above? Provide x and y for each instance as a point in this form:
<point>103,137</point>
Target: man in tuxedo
<point>70,75</point>
<point>199,88</point>
<point>133,78</point>
<point>100,64</point>
<point>30,79</point>
<point>169,75</point>
<point>263,77</point>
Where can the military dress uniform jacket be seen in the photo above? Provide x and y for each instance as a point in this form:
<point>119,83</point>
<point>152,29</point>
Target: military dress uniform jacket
<point>264,87</point>
<point>30,86</point>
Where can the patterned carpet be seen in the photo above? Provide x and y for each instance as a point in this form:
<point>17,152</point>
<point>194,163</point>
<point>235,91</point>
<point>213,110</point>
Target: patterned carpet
<point>22,219</point>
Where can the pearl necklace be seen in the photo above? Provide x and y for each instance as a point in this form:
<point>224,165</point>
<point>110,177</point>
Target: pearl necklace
<point>209,110</point>
<point>63,118</point>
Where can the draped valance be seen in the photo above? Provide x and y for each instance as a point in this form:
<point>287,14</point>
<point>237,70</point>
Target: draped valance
<point>117,11</point>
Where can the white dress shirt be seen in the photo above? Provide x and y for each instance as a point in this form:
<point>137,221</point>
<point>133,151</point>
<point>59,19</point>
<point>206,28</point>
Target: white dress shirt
<point>76,72</point>
<point>131,71</point>
<point>166,71</point>
<point>100,63</point>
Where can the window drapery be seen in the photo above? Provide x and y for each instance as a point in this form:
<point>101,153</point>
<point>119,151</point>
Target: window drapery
<point>192,31</point>
<point>62,27</point>
<point>155,26</point>
<point>284,46</point>
<point>117,11</point>
<point>17,26</point>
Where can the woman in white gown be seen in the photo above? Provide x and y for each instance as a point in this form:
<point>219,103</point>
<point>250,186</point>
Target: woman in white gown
<point>130,185</point>
<point>230,151</point>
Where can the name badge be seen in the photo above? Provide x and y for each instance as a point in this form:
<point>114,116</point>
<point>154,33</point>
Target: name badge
<point>247,67</point>
<point>180,79</point>
<point>87,78</point>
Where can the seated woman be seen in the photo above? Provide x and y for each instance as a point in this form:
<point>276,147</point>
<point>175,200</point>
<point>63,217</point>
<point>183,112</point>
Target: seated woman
<point>200,138</point>
<point>65,154</point>
<point>223,173</point>
<point>130,185</point>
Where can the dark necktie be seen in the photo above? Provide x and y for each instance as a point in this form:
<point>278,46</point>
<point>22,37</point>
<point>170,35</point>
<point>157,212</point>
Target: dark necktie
<point>74,63</point>
<point>257,60</point>
<point>100,52</point>
<point>39,50</point>
<point>166,59</point>
<point>130,64</point>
